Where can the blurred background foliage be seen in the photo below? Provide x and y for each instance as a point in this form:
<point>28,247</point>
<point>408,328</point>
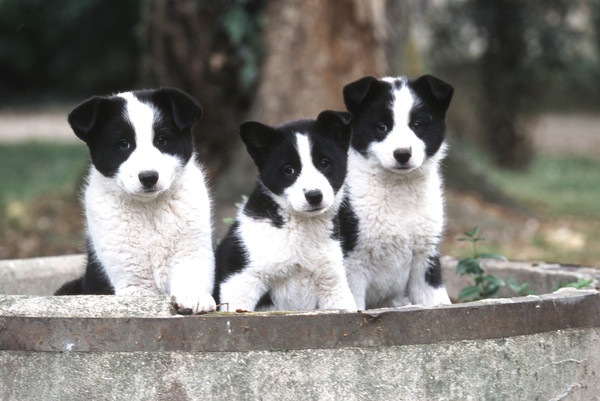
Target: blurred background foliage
<point>511,58</point>
<point>65,49</point>
<point>512,62</point>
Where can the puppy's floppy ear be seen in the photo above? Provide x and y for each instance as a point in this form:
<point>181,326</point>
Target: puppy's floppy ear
<point>336,124</point>
<point>258,139</point>
<point>184,108</point>
<point>355,92</point>
<point>83,117</point>
<point>436,89</point>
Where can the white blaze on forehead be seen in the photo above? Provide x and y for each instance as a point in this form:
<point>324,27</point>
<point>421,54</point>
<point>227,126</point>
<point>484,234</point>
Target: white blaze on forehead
<point>303,147</point>
<point>403,101</point>
<point>141,116</point>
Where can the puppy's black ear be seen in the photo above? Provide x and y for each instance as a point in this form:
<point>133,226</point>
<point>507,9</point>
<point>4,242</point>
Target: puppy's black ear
<point>258,139</point>
<point>83,117</point>
<point>355,92</point>
<point>435,89</point>
<point>336,124</point>
<point>184,108</point>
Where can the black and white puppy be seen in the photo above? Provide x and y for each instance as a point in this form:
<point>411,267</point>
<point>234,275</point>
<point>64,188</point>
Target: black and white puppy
<point>147,209</point>
<point>395,212</point>
<point>284,247</point>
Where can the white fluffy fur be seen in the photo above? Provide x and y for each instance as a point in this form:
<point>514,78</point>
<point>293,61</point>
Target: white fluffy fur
<point>299,263</point>
<point>401,217</point>
<point>156,243</point>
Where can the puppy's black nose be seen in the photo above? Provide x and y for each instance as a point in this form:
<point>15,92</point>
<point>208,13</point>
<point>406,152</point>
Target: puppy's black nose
<point>148,178</point>
<point>314,197</point>
<point>402,155</point>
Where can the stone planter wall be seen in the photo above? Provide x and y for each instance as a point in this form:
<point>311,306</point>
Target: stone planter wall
<point>541,347</point>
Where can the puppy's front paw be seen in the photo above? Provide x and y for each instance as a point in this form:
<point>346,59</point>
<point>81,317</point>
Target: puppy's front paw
<point>345,302</point>
<point>349,305</point>
<point>187,305</point>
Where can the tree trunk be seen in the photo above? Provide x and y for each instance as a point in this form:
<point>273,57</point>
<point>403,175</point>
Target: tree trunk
<point>314,48</point>
<point>505,87</point>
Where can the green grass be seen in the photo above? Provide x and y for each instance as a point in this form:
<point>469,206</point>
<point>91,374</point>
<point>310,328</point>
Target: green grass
<point>562,195</point>
<point>30,170</point>
<point>558,185</point>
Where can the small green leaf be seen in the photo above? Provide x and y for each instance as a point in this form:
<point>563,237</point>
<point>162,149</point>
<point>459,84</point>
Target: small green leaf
<point>472,233</point>
<point>468,266</point>
<point>490,278</point>
<point>491,285</point>
<point>519,288</point>
<point>581,283</point>
<point>470,293</point>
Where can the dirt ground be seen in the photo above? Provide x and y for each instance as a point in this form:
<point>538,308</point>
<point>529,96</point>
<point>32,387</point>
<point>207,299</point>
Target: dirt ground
<point>515,231</point>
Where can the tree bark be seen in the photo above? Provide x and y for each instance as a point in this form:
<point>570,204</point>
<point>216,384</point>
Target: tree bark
<point>314,48</point>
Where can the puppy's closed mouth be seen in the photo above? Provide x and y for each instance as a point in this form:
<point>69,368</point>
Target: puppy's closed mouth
<point>402,168</point>
<point>315,210</point>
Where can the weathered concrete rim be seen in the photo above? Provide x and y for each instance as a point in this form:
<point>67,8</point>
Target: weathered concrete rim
<point>233,332</point>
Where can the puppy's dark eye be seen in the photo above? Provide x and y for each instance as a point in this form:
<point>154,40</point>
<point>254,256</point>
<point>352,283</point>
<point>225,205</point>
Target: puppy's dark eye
<point>420,122</point>
<point>124,144</point>
<point>288,170</point>
<point>324,163</point>
<point>382,128</point>
<point>161,140</point>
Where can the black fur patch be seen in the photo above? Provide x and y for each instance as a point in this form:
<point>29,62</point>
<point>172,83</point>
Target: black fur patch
<point>427,118</point>
<point>370,102</point>
<point>348,225</point>
<point>93,282</point>
<point>230,257</point>
<point>261,206</point>
<point>433,275</point>
<point>110,138</point>
<point>265,302</point>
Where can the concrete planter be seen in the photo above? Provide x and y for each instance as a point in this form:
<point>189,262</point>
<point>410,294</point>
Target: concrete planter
<point>125,348</point>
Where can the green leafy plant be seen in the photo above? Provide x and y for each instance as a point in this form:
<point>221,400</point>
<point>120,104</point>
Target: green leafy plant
<point>581,283</point>
<point>485,285</point>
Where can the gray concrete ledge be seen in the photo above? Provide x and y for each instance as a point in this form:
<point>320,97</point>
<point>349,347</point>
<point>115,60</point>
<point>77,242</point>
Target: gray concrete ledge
<point>39,276</point>
<point>541,347</point>
<point>141,330</point>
